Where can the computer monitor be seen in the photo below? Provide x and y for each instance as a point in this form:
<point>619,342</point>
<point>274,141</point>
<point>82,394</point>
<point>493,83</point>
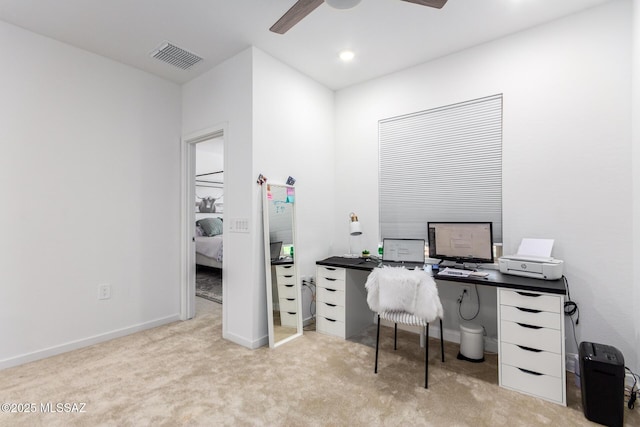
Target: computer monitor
<point>462,242</point>
<point>275,248</point>
<point>403,250</point>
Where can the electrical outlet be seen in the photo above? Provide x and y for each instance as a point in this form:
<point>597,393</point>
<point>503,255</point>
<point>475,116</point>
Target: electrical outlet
<point>104,292</point>
<point>464,290</point>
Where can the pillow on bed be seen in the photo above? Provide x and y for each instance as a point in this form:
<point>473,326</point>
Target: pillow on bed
<point>199,231</point>
<point>210,226</point>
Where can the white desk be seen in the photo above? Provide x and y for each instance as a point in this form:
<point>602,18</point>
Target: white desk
<point>531,351</point>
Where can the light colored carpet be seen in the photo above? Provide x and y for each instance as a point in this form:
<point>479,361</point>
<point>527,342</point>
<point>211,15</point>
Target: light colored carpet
<point>186,374</point>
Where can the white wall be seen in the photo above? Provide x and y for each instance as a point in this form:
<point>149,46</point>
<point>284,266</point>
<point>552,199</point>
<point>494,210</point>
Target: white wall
<point>635,119</point>
<point>223,97</point>
<point>566,154</point>
<point>280,123</point>
<point>89,177</point>
<point>294,136</point>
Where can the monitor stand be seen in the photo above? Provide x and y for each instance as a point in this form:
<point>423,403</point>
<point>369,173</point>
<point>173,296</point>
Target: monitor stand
<point>458,265</point>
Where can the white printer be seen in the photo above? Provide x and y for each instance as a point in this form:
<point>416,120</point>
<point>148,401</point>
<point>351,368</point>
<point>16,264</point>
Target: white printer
<point>533,260</point>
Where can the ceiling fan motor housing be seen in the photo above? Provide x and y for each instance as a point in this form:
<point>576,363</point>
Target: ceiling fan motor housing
<point>342,4</point>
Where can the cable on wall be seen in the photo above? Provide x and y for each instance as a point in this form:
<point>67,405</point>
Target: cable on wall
<point>460,300</point>
<point>311,285</point>
<point>571,309</point>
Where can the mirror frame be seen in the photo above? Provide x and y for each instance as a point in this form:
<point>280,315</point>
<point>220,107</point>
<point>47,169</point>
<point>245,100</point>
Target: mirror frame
<point>267,261</point>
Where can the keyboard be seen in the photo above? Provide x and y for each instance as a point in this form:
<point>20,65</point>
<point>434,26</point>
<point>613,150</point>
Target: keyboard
<point>454,272</point>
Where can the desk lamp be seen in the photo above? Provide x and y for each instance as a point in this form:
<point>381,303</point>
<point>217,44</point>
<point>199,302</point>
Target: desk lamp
<point>355,229</point>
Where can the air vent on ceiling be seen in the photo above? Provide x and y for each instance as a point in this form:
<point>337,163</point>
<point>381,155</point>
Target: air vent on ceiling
<point>175,56</point>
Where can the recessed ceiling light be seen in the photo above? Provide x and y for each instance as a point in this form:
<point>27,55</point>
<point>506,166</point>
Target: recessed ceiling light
<point>347,55</point>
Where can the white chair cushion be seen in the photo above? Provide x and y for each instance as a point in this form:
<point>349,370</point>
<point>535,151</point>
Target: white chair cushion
<point>396,289</point>
<point>402,317</point>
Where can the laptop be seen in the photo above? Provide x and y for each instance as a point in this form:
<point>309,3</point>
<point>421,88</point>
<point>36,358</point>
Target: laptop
<point>407,253</point>
<point>275,248</point>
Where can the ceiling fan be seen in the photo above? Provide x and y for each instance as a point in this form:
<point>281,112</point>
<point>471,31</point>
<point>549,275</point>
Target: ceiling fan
<point>304,7</point>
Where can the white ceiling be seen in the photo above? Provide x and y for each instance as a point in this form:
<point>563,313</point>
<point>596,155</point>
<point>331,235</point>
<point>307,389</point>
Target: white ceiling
<point>386,35</point>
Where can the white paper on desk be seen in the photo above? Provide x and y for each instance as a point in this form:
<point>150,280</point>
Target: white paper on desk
<point>536,247</point>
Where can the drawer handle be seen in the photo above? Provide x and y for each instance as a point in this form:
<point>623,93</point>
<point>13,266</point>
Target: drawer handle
<point>330,279</point>
<point>291,312</point>
<point>330,305</point>
<point>287,266</point>
<point>330,290</point>
<point>527,294</point>
<point>288,275</point>
<point>330,269</point>
<point>330,320</point>
<point>529,310</point>
<point>290,299</point>
<point>289,286</point>
<point>535,350</point>
<point>524,325</point>
<point>526,371</point>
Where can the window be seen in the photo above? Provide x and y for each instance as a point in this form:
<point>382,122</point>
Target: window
<point>443,164</point>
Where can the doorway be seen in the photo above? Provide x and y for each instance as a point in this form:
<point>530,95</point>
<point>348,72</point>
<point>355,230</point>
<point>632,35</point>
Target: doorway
<point>209,215</point>
<point>203,163</point>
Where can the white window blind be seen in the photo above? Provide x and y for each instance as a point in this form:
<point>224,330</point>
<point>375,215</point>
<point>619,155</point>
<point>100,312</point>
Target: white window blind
<point>443,164</point>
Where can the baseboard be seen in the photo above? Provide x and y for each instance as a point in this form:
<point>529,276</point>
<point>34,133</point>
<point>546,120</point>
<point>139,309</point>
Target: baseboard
<point>85,342</point>
<point>237,339</point>
<point>490,343</point>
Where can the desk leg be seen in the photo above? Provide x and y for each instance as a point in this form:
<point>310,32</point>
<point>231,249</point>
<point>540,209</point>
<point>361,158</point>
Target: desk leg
<point>395,336</point>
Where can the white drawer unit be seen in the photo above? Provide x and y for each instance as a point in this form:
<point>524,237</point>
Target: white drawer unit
<point>326,272</point>
<point>331,311</point>
<point>530,382</point>
<point>331,296</point>
<point>288,304</point>
<point>285,277</point>
<point>330,301</point>
<point>531,344</point>
<point>288,319</point>
<point>530,336</point>
<point>286,274</point>
<point>329,326</point>
<point>286,291</point>
<point>341,306</point>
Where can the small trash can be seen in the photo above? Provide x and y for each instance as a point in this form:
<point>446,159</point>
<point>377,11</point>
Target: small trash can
<point>471,343</point>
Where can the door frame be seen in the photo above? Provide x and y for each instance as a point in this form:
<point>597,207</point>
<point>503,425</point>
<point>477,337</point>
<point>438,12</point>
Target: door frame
<point>188,214</point>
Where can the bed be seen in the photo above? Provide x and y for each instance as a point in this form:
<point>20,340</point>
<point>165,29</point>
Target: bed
<point>209,242</point>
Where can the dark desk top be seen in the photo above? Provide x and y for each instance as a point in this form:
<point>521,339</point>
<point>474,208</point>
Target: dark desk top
<point>495,278</point>
<point>283,261</point>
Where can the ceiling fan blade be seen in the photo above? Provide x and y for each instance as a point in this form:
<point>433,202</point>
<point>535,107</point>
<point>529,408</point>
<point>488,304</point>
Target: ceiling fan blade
<point>294,15</point>
<point>431,3</point>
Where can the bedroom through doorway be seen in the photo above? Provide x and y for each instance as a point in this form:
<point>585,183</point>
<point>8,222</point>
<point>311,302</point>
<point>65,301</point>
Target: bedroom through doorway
<point>208,218</point>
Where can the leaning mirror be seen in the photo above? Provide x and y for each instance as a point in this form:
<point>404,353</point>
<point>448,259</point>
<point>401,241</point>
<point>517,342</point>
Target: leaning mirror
<point>284,306</point>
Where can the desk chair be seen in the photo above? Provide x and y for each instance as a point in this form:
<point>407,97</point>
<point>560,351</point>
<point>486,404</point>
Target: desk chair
<point>408,297</point>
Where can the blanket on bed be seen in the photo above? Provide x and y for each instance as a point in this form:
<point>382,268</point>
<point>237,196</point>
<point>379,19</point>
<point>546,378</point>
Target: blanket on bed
<point>210,246</point>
